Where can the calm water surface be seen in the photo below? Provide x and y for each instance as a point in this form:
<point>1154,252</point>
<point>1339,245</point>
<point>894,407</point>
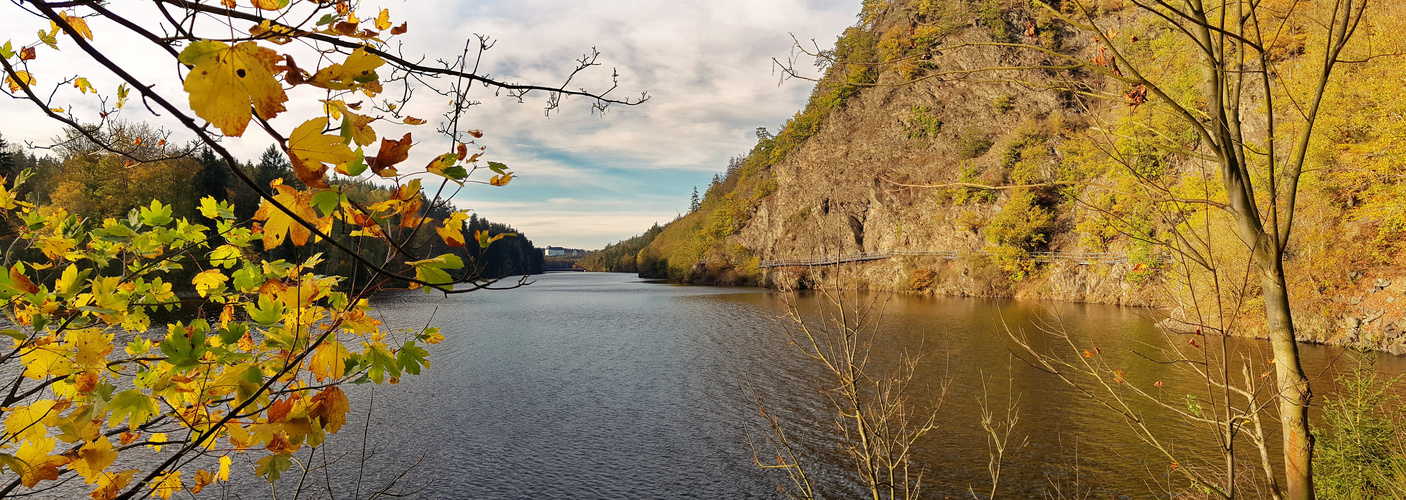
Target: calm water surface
<point>604,386</point>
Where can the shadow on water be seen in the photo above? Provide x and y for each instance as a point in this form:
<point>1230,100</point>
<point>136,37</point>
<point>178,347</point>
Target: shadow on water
<point>589,385</point>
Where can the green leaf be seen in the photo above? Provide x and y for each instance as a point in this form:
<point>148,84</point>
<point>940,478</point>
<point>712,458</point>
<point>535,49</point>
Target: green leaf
<point>182,349</point>
<point>326,19</point>
<point>272,466</point>
<point>327,201</point>
<point>232,333</point>
<point>212,209</point>
<point>7,51</point>
<point>411,357</point>
<point>358,166</point>
<point>131,404</point>
<point>432,271</point>
<point>225,256</point>
<point>157,215</point>
<point>497,168</point>
<point>248,278</point>
<point>268,311</point>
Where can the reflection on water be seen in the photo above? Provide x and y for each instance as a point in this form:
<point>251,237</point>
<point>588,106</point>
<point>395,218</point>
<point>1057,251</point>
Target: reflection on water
<point>587,385</point>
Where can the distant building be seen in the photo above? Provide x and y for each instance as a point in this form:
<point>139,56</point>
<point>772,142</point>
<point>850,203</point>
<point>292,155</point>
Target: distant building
<point>564,252</point>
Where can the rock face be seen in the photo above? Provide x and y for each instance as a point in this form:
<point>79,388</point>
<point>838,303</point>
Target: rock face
<point>1374,315</point>
<point>851,188</point>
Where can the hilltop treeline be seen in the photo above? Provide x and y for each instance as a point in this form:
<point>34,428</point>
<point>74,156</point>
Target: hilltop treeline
<point>92,184</point>
<point>619,257</point>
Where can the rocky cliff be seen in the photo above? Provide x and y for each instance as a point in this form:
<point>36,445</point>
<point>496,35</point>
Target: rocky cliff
<point>909,144</point>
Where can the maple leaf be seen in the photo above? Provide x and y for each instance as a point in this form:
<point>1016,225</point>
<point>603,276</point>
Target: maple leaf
<point>27,423</point>
<point>383,21</point>
<point>225,462</point>
<point>19,78</point>
<point>167,485</point>
<point>279,225</point>
<point>39,464</point>
<point>79,26</point>
<point>328,361</point>
<point>111,484</point>
<point>134,406</point>
<point>27,54</point>
<point>202,479</point>
<point>358,69</point>
<point>391,153</point>
<point>330,407</point>
<point>224,82</point>
<point>309,150</point>
<point>269,4</point>
<point>92,458</point>
<point>452,232</point>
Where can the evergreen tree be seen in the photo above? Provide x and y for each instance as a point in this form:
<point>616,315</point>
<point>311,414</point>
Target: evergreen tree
<point>694,204</point>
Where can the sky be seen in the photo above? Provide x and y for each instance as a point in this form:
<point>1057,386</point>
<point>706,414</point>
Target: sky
<point>584,179</point>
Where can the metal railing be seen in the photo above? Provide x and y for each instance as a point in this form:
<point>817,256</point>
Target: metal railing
<point>1081,258</point>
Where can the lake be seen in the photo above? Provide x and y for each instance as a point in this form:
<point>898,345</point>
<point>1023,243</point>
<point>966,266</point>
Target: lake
<point>593,385</point>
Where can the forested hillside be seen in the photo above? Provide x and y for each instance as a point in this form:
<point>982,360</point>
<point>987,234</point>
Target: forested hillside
<point>92,184</point>
<point>949,125</point>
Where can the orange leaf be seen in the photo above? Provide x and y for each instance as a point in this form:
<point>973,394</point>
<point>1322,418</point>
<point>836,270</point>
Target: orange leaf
<point>279,409</point>
<point>27,54</point>
<point>478,134</point>
<point>330,408</point>
<point>399,30</point>
<point>391,153</point>
<point>410,120</point>
<point>78,24</point>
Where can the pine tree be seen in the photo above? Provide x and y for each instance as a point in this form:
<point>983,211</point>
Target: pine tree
<point>695,203</point>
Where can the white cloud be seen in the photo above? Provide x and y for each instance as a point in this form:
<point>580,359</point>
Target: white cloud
<point>706,65</point>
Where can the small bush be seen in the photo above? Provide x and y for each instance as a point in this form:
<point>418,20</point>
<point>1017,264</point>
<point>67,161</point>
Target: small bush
<point>1359,455</point>
<point>923,124</point>
<point>922,278</point>
<point>972,144</point>
<point>1003,104</point>
<point>1022,223</point>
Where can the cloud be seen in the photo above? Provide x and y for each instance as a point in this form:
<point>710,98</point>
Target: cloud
<point>706,65</point>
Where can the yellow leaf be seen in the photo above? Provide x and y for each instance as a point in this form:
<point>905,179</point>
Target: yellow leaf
<point>501,180</point>
<point>226,81</point>
<point>410,120</point>
<point>362,133</point>
<point>209,281</point>
<point>56,110</point>
<point>202,479</point>
<point>83,86</point>
<point>39,464</point>
<point>309,150</point>
<point>20,78</point>
<point>90,347</point>
<point>453,229</point>
<point>155,441</point>
<point>46,361</point>
<point>269,4</point>
<point>111,484</point>
<point>28,423</point>
<point>224,467</point>
<point>358,69</point>
<point>279,225</point>
<point>79,25</point>
<point>167,485</point>
<point>329,361</point>
<point>93,457</point>
<point>383,21</point>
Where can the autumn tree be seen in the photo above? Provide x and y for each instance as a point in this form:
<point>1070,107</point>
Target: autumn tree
<point>257,368</point>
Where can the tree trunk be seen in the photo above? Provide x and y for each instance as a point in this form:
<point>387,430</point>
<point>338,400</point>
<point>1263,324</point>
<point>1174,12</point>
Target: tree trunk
<point>1294,393</point>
